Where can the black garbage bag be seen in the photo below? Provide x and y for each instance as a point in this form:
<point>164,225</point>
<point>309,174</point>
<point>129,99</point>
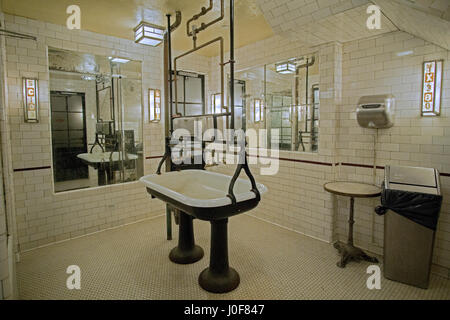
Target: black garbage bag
<point>421,208</point>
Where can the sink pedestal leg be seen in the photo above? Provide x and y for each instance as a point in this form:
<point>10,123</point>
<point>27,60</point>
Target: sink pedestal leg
<point>101,173</point>
<point>219,277</point>
<point>186,252</point>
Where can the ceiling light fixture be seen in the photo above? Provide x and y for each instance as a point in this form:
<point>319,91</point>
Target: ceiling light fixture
<point>405,53</point>
<point>149,34</point>
<point>88,77</point>
<point>119,60</point>
<point>287,67</point>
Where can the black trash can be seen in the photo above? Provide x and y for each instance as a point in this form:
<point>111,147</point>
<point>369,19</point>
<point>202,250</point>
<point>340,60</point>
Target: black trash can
<point>411,202</point>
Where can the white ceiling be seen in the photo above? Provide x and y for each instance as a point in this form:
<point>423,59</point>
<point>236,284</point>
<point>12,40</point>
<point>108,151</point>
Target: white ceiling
<point>438,8</point>
<point>315,22</point>
<point>308,22</point>
<point>417,22</point>
<point>288,17</point>
<point>345,26</point>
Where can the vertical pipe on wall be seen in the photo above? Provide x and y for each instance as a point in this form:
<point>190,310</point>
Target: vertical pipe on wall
<point>168,124</point>
<point>374,181</point>
<point>232,62</point>
<point>169,71</point>
<point>122,129</point>
<point>296,108</point>
<point>265,104</point>
<point>166,86</point>
<point>307,92</point>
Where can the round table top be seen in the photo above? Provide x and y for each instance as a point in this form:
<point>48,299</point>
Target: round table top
<point>353,189</point>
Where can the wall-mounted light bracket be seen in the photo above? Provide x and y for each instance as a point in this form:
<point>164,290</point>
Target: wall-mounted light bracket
<point>258,110</point>
<point>216,103</point>
<point>154,105</point>
<point>31,100</point>
<point>432,88</point>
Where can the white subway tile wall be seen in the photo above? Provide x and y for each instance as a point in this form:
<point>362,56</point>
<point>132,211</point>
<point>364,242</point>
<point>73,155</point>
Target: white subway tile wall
<point>377,66</point>
<point>42,216</point>
<point>7,218</point>
<point>296,199</point>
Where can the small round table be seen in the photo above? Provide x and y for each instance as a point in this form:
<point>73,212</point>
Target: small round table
<point>353,190</point>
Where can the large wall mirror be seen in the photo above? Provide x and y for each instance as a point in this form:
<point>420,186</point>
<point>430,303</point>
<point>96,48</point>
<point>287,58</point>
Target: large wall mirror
<point>284,96</point>
<point>96,119</point>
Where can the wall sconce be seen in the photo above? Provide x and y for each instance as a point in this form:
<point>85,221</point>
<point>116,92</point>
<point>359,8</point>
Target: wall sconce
<point>296,113</point>
<point>149,34</point>
<point>154,103</point>
<point>31,100</point>
<point>287,67</point>
<point>258,110</point>
<point>263,110</point>
<point>216,103</point>
<point>432,88</point>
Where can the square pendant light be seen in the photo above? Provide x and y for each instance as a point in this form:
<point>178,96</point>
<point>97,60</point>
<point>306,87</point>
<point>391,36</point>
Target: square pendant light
<point>149,34</point>
<point>287,67</point>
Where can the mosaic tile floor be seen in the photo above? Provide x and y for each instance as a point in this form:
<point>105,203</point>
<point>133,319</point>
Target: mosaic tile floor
<point>132,262</point>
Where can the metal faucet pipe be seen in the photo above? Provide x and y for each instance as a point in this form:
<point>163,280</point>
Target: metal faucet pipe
<point>203,12</point>
<point>222,72</point>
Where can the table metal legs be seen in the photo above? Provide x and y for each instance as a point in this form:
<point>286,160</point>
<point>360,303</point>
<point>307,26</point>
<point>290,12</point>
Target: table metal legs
<point>348,251</point>
<point>169,222</point>
<point>186,252</point>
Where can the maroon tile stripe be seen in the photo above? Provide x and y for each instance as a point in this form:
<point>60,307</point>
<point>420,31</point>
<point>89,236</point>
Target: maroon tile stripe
<point>360,165</point>
<point>32,169</point>
<point>443,174</point>
<point>317,163</point>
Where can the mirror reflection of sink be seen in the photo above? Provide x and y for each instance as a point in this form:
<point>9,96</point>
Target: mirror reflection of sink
<point>100,161</point>
<point>101,157</point>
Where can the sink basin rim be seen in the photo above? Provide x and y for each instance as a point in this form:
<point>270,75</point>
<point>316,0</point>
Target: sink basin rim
<point>101,157</point>
<point>202,203</point>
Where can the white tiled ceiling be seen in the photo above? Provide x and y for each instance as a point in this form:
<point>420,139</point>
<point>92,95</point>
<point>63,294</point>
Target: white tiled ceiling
<point>315,22</point>
<point>346,26</point>
<point>438,8</point>
<point>417,22</point>
<point>319,21</point>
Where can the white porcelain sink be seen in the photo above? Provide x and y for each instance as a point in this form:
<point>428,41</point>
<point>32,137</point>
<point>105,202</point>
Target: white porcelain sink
<point>101,157</point>
<point>202,194</point>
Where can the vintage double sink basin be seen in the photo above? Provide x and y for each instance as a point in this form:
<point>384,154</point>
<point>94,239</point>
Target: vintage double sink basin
<point>202,194</point>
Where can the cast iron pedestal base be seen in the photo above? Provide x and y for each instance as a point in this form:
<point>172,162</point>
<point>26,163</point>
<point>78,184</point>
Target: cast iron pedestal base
<point>219,277</point>
<point>349,252</point>
<point>186,252</point>
<point>219,282</point>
